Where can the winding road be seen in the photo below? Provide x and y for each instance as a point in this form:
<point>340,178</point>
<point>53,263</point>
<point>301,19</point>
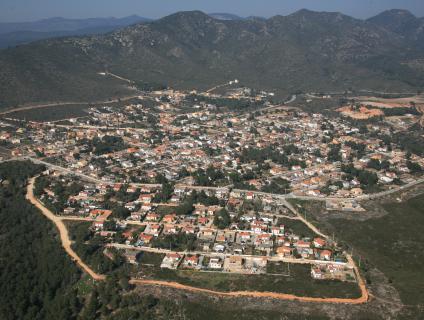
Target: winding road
<point>66,243</point>
<point>63,231</point>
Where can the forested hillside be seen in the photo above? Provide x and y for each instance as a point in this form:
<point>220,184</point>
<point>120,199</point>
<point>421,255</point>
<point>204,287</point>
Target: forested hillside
<point>36,276</point>
<point>38,281</point>
<point>304,51</point>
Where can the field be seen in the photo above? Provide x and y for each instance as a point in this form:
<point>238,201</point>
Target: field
<point>393,243</point>
<point>67,111</point>
<point>52,113</point>
<point>299,282</point>
<point>391,103</point>
<point>297,226</point>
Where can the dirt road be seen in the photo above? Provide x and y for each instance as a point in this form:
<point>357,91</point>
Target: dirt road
<point>66,243</point>
<point>47,105</point>
<point>272,295</point>
<point>63,231</point>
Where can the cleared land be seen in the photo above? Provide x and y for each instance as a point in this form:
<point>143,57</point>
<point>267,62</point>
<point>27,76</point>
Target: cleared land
<point>393,243</point>
<point>299,282</point>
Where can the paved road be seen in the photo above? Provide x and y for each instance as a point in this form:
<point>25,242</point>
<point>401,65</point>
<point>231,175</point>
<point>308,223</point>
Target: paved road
<point>84,176</point>
<point>66,243</point>
<point>217,254</point>
<point>281,197</point>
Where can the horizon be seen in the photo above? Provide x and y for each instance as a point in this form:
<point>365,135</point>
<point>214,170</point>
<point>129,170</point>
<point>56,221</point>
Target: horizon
<point>207,13</point>
<point>15,11</point>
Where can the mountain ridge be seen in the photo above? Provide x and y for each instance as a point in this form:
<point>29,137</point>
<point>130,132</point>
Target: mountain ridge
<point>304,51</point>
<point>12,34</point>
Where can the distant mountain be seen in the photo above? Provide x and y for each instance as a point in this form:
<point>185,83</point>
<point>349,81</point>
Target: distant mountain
<point>225,16</point>
<point>63,24</point>
<point>403,23</point>
<point>12,34</point>
<point>304,51</point>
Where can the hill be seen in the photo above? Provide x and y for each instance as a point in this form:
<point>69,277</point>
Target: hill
<point>403,23</point>
<point>12,34</point>
<point>305,51</point>
<point>62,24</point>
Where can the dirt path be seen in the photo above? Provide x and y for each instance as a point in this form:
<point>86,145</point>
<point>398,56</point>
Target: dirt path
<point>47,105</point>
<point>63,231</point>
<point>256,294</point>
<point>66,243</point>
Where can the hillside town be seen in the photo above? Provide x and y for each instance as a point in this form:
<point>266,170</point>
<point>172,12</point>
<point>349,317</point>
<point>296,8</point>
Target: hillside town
<point>205,182</point>
<point>209,140</point>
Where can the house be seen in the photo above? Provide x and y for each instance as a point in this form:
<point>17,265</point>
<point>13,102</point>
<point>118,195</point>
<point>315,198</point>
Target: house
<point>170,229</point>
<point>68,210</point>
<point>203,221</point>
<point>191,261</point>
<point>128,234</point>
<point>152,217</point>
<point>325,255</point>
<point>303,244</point>
<point>233,264</point>
<point>169,218</point>
<point>153,229</point>
<point>219,247</point>
<point>130,206</point>
<point>284,251</point>
<point>200,210</point>
<point>117,187</point>
<point>258,226</point>
<point>244,236</point>
<point>136,216</point>
<point>319,242</point>
<point>206,234</point>
<point>98,225</point>
<point>171,260</point>
<point>145,198</point>
<point>145,238</point>
<point>279,240</point>
<point>213,209</point>
<point>277,230</point>
<point>100,214</point>
<point>250,195</point>
<point>316,272</point>
<point>215,263</point>
<point>356,191</point>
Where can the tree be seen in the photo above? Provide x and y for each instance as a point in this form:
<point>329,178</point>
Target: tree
<point>90,311</point>
<point>120,213</point>
<point>222,219</point>
<point>413,167</point>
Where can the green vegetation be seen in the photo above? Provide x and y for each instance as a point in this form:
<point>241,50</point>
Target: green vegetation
<point>297,227</point>
<point>36,276</point>
<point>67,69</point>
<point>106,144</point>
<point>393,243</point>
<point>90,248</point>
<point>52,113</point>
<point>176,242</point>
<point>208,177</point>
<point>230,104</point>
<point>39,281</point>
<point>277,185</point>
<point>367,178</point>
<point>299,283</point>
<point>222,219</point>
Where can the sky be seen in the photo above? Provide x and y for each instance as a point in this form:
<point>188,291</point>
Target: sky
<point>30,10</point>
